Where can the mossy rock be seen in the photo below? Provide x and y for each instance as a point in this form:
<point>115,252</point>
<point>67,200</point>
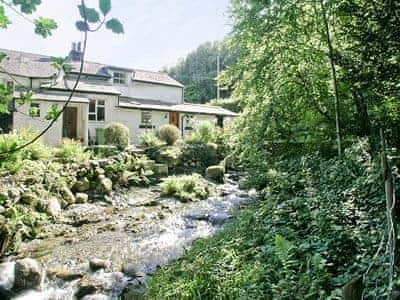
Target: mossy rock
<point>216,173</point>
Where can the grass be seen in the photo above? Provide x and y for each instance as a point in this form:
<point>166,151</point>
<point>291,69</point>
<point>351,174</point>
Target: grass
<point>186,187</point>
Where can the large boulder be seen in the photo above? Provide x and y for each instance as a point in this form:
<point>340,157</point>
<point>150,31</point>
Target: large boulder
<point>82,185</point>
<point>28,274</point>
<point>216,173</point>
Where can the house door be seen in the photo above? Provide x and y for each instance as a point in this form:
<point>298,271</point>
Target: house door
<point>70,118</point>
<point>174,118</point>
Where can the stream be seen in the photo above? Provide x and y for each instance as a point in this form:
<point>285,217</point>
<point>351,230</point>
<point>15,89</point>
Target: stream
<point>108,250</point>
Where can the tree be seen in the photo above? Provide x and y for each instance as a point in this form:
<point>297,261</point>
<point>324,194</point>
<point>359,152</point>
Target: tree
<point>198,71</point>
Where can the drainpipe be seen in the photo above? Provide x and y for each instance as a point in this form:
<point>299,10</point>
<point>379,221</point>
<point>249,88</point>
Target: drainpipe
<point>182,130</point>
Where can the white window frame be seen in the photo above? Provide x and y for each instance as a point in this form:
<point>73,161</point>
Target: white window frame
<point>119,78</point>
<point>95,113</point>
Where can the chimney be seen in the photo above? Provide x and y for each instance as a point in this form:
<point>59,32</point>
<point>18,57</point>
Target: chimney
<point>76,53</point>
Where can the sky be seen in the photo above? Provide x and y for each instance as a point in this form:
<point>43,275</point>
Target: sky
<point>157,32</point>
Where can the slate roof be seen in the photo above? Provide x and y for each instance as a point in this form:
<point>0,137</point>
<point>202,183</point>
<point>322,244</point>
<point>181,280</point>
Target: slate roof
<point>27,64</point>
<point>155,77</point>
<point>39,66</point>
<point>147,104</point>
<point>84,86</point>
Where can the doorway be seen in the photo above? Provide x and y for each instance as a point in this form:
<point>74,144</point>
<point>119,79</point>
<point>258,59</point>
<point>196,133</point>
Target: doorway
<point>174,118</point>
<point>70,118</point>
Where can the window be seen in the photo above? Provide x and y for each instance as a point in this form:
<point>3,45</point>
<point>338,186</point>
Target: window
<point>146,117</point>
<point>34,110</point>
<point>97,110</point>
<point>119,78</point>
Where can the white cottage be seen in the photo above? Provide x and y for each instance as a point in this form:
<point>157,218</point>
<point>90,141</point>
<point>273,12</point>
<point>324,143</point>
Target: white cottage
<point>142,100</point>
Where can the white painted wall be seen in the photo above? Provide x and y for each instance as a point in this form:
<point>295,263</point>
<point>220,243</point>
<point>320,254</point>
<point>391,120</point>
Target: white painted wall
<point>53,137</point>
<point>143,90</point>
<point>23,81</point>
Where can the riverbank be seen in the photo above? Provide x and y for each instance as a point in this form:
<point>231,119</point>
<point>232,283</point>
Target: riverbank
<point>109,248</point>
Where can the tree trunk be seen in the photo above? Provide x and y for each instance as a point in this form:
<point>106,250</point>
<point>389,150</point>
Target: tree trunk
<point>334,78</point>
<point>353,290</point>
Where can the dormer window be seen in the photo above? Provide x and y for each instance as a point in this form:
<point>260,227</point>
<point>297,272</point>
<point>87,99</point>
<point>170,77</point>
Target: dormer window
<point>119,78</point>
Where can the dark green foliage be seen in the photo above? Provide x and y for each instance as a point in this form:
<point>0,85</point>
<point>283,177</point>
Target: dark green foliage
<point>198,71</point>
<point>91,15</point>
<point>317,226</point>
<point>105,6</point>
<point>44,26</point>
<point>115,25</point>
<point>199,156</point>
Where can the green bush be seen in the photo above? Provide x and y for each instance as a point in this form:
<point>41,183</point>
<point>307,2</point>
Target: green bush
<point>186,187</point>
<point>118,135</point>
<point>169,134</point>
<point>72,151</point>
<point>317,226</point>
<point>14,161</point>
<point>149,139</point>
<point>199,156</point>
<point>204,132</point>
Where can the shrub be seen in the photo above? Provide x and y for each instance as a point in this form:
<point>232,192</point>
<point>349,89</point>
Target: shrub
<point>118,135</point>
<point>14,161</point>
<point>199,156</point>
<point>72,151</point>
<point>186,187</point>
<point>149,139</point>
<point>169,134</point>
<point>204,132</point>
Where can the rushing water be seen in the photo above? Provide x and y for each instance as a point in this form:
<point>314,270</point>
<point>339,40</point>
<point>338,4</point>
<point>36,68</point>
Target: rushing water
<point>140,231</point>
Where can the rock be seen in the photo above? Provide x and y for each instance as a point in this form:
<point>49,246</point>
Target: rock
<point>79,214</point>
<point>53,207</point>
<point>132,270</point>
<point>28,274</point>
<point>82,185</point>
<point>64,273</point>
<point>81,198</point>
<point>102,283</point>
<point>216,173</point>
<point>2,209</point>
<point>7,278</point>
<point>67,195</point>
<point>96,297</point>
<point>99,171</point>
<point>160,170</point>
<point>243,184</point>
<point>106,185</point>
<point>97,264</point>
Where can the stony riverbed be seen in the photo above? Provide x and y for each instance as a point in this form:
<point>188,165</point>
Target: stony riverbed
<point>106,250</point>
